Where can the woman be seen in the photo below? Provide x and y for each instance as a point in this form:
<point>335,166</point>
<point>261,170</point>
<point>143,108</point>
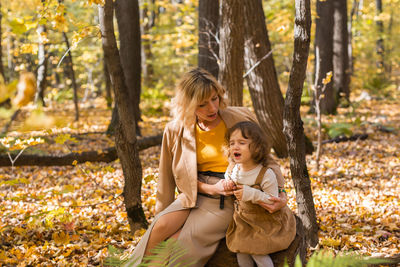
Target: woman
<point>192,161</point>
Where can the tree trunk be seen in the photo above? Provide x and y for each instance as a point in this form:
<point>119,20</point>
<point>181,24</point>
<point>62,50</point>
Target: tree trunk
<point>208,32</point>
<point>71,71</point>
<point>324,54</point>
<point>262,80</point>
<point>148,21</point>
<point>350,38</point>
<point>341,70</point>
<point>42,67</point>
<point>231,51</point>
<point>114,121</point>
<point>1,49</point>
<point>105,155</point>
<point>127,14</point>
<point>107,85</point>
<point>380,49</point>
<point>293,125</point>
<point>125,137</point>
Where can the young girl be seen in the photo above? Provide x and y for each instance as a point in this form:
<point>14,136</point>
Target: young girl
<point>254,233</point>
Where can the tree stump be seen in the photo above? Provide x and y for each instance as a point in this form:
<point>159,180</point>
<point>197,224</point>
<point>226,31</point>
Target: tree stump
<point>223,257</point>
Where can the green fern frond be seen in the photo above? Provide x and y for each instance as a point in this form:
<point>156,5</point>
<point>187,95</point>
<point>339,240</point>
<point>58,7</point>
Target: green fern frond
<point>168,253</point>
<point>116,257</point>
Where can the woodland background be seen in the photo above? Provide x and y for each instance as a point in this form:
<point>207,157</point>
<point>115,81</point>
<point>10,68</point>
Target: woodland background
<point>61,208</point>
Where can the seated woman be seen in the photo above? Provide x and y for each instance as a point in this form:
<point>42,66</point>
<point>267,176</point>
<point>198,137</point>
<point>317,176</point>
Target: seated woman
<point>192,160</point>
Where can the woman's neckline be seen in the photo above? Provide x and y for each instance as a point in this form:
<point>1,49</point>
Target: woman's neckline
<point>214,124</point>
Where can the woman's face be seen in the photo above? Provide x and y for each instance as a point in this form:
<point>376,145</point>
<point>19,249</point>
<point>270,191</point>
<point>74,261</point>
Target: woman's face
<point>207,110</point>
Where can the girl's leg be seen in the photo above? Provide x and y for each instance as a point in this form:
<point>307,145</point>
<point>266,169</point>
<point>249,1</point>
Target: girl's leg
<point>166,226</point>
<point>244,260</point>
<point>263,260</point>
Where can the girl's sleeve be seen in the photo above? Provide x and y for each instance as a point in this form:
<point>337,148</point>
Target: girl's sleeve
<point>166,182</point>
<point>269,186</point>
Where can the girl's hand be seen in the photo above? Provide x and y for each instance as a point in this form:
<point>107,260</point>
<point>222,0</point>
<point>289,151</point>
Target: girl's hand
<point>223,188</point>
<point>238,192</point>
<point>278,203</point>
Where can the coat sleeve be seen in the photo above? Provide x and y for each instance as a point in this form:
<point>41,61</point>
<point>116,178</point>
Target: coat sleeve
<point>166,182</point>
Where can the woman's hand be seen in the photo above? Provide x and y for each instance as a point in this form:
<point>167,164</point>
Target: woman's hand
<point>238,192</point>
<point>278,203</point>
<point>224,187</point>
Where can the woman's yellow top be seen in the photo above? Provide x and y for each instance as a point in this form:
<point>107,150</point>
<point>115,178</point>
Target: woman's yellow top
<point>209,149</point>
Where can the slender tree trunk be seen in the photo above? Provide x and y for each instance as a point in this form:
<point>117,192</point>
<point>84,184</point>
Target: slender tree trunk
<point>42,67</point>
<point>324,54</point>
<point>231,51</point>
<point>341,78</point>
<point>1,49</point>
<point>350,38</point>
<point>72,75</point>
<point>125,137</point>
<point>148,21</point>
<point>208,34</point>
<point>10,56</point>
<point>127,14</point>
<point>262,80</point>
<point>293,125</point>
<point>380,49</point>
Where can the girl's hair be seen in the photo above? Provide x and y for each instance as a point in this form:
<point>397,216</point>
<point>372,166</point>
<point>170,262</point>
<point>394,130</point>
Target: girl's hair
<point>259,147</point>
<point>195,87</point>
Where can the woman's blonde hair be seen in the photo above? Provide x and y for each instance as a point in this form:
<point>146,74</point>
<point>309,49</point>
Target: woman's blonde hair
<point>195,87</point>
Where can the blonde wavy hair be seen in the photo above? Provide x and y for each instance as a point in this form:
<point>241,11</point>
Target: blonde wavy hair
<point>195,86</point>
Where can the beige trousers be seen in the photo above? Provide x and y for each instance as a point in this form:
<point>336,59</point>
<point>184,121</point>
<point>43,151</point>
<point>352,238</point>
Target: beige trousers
<point>205,226</point>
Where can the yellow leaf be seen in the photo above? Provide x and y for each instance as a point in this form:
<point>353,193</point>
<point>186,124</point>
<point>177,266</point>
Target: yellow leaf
<point>74,162</point>
<point>19,230</point>
<point>61,238</point>
<point>330,242</point>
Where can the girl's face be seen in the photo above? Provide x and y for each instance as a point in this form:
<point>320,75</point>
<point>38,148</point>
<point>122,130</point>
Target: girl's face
<point>239,149</point>
<point>207,111</point>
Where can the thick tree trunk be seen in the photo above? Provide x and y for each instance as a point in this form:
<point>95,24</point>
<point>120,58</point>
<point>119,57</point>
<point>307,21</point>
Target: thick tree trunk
<point>341,70</point>
<point>293,125</point>
<point>231,51</point>
<point>105,155</point>
<point>127,14</point>
<point>324,55</point>
<point>42,67</point>
<point>107,85</point>
<point>125,137</point>
<point>350,38</point>
<point>71,71</point>
<point>114,121</point>
<point>208,32</point>
<point>262,80</point>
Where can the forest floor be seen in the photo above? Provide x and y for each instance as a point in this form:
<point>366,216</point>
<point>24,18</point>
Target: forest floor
<point>70,215</point>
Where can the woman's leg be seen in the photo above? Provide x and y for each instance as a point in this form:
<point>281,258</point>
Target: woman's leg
<point>263,260</point>
<point>244,260</point>
<point>166,226</point>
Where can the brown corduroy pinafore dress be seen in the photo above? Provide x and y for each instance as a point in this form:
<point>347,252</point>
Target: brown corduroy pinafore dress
<point>255,231</point>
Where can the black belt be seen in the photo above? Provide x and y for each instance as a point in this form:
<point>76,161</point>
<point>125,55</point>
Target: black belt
<point>219,175</point>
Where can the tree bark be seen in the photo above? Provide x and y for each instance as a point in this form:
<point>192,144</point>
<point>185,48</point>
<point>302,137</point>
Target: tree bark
<point>1,49</point>
<point>293,125</point>
<point>127,14</point>
<point>341,70</point>
<point>208,32</point>
<point>105,155</point>
<point>71,71</point>
<point>125,137</point>
<point>148,21</point>
<point>263,82</point>
<point>107,85</point>
<point>42,67</point>
<point>380,49</point>
<point>324,55</point>
<point>231,51</point>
